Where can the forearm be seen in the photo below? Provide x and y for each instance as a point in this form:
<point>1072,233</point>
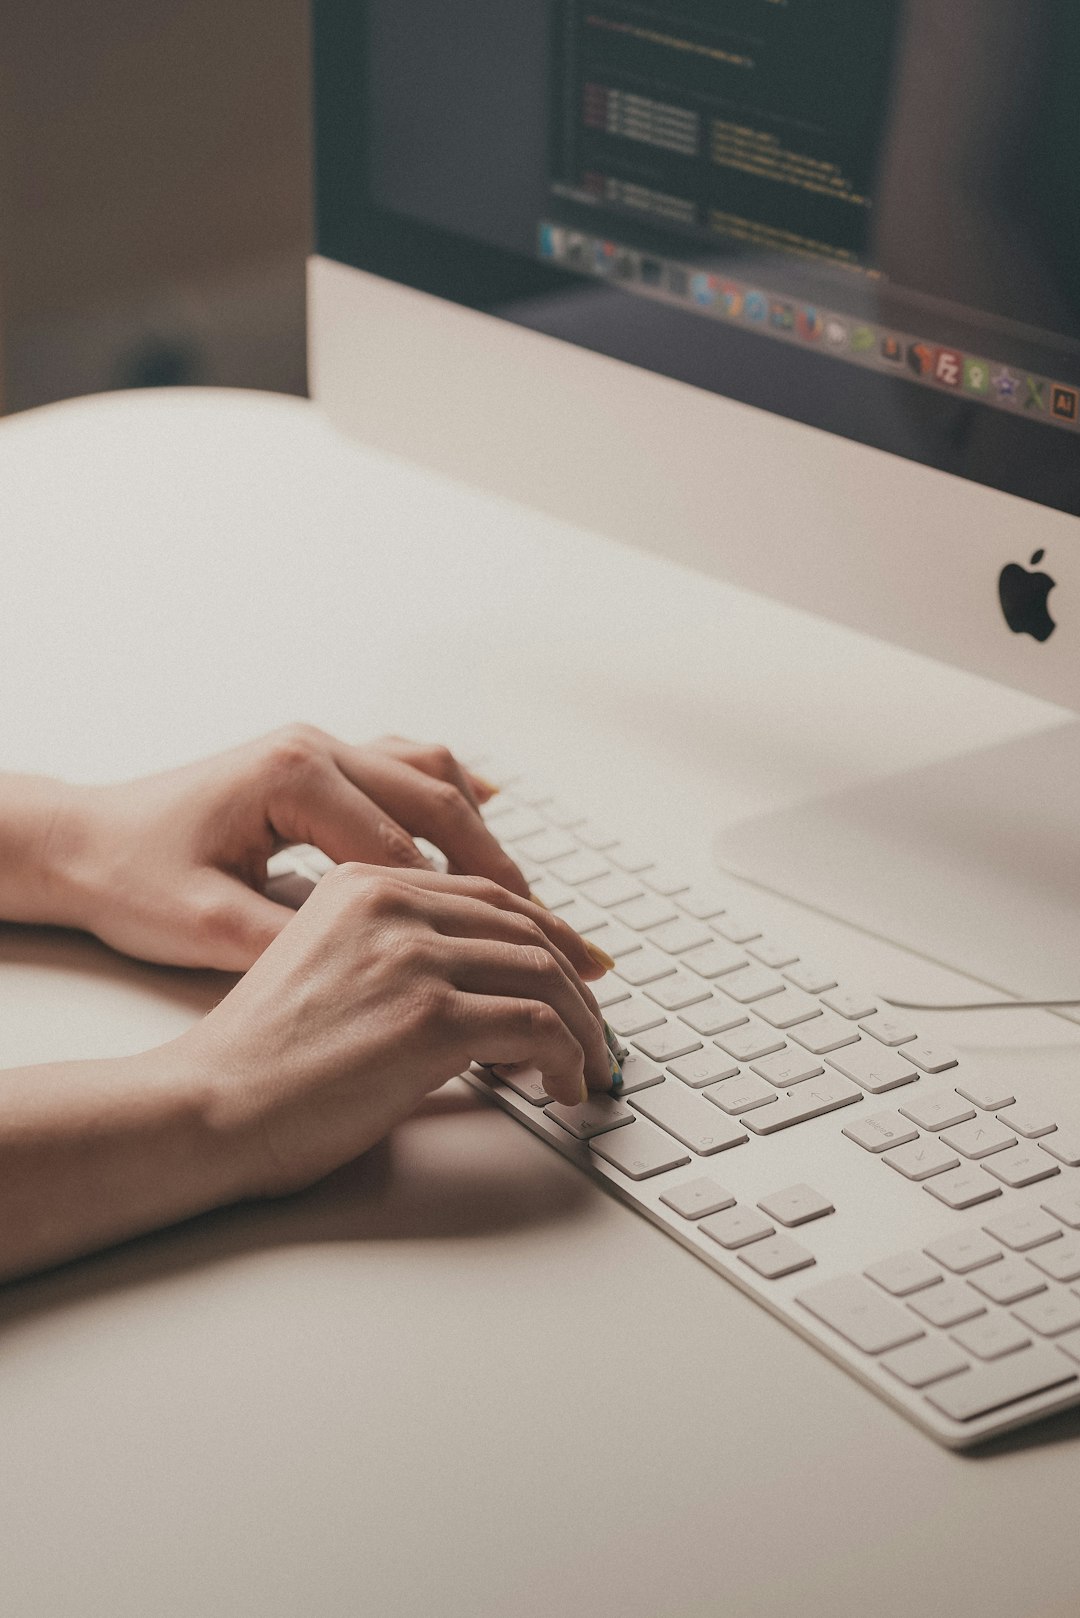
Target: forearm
<point>92,1153</point>
<point>39,837</point>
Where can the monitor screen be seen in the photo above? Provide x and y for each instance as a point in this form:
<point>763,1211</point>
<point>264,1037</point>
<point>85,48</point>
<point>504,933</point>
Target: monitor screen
<point>860,214</point>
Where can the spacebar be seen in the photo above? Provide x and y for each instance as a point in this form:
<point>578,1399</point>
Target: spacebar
<point>974,1393</point>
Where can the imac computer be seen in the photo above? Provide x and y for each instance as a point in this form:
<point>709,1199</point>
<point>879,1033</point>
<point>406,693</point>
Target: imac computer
<point>649,247</point>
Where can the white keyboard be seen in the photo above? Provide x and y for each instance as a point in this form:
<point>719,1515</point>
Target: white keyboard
<point>913,1218</point>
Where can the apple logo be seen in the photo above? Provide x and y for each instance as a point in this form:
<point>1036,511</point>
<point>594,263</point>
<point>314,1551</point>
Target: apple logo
<point>1023,599</point>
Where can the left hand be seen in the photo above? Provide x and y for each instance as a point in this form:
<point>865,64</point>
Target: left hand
<point>172,868</point>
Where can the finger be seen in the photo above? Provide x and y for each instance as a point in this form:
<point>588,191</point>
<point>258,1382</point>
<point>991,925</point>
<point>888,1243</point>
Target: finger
<point>440,763</point>
<point>316,804</point>
<point>485,896</point>
<point>499,1030</point>
<point>531,972</point>
<point>434,809</point>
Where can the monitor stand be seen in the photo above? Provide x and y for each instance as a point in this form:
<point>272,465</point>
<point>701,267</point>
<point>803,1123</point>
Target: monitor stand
<point>973,862</point>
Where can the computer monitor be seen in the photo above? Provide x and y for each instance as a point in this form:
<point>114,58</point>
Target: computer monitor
<point>648,247</point>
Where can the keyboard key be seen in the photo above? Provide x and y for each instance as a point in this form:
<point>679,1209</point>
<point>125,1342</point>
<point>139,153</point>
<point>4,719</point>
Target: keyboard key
<point>1070,1343</point>
<point>947,1304</point>
<point>964,1250</point>
<point>826,1033</point>
<point>888,1030</point>
<point>786,1008</point>
<point>937,1111</point>
<point>1050,1313</point>
<point>582,916</point>
<point>637,1074</point>
<point>931,1058</point>
<point>559,813</point>
<point>749,1041</point>
<point>629,858</point>
<point>582,866</point>
<point>796,1205</point>
<point>594,836</point>
<point>1025,1230</point>
<point>770,953</point>
<point>872,1067</point>
<point>806,975</point>
<point>704,1067</point>
<point>547,846</point>
<point>515,823</point>
<point>1028,1119</point>
<point>716,959</point>
<point>639,1152</point>
<point>904,1273</point>
<point>661,879</point>
<point>742,1094</point>
<point>921,1159</point>
<point>991,1336</point>
<point>696,1198</point>
<point>667,1042</point>
<point>715,1016</point>
<point>527,1082</point>
<point>643,966</point>
<point>852,1307</point>
<point>648,911</point>
<point>617,941</point>
<point>926,1361</point>
<point>1066,1208</point>
<point>610,991</point>
<point>850,1003</point>
<point>678,991</point>
<point>988,1093</point>
<point>752,983</point>
<point>777,1256</point>
<point>736,928</point>
<point>989,1387</point>
<point>737,1227</point>
<point>688,1117</point>
<point>962,1188</point>
<point>1061,1259</point>
<point>810,1100</point>
<point>613,889</point>
<point>1008,1281</point>
<point>551,894</point>
<point>1064,1144</point>
<point>1022,1165</point>
<point>634,1016</point>
<point>593,1117</point>
<point>979,1138</point>
<point>702,902</point>
<point>880,1131</point>
<point>677,936</point>
<point>788,1067</point>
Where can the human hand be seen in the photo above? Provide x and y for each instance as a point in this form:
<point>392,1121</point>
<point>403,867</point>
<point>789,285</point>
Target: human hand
<point>385,985</point>
<point>172,868</point>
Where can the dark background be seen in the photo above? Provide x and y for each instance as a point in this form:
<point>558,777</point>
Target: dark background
<point>155,194</point>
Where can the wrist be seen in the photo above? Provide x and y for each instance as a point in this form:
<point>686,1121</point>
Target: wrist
<point>44,838</point>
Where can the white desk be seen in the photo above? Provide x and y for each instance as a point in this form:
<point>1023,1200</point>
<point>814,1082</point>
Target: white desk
<point>456,1379</point>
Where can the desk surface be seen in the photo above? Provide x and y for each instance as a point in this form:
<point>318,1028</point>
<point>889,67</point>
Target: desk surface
<point>455,1378</point>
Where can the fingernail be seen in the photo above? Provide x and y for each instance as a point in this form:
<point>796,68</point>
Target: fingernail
<point>584,1091</point>
<point>485,786</point>
<point>600,956</point>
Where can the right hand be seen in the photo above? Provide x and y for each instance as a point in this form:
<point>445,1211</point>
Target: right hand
<point>385,985</point>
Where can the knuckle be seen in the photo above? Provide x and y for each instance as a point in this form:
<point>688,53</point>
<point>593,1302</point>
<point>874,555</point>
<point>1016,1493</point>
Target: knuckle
<point>448,800</point>
<point>398,845</point>
<point>294,748</point>
<point>440,760</point>
<point>542,1023</point>
<point>541,964</point>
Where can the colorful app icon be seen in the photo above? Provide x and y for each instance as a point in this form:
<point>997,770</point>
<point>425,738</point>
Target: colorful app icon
<point>948,367</point>
<point>1034,393</point>
<point>782,315</point>
<point>1063,402</point>
<point>835,332</point>
<point>703,289</point>
<point>604,257</point>
<point>920,359</point>
<point>1006,386</point>
<point>809,324</point>
<point>892,350</point>
<point>756,306</point>
<point>862,339</point>
<point>731,300</point>
<point>552,241</point>
<point>976,376</point>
